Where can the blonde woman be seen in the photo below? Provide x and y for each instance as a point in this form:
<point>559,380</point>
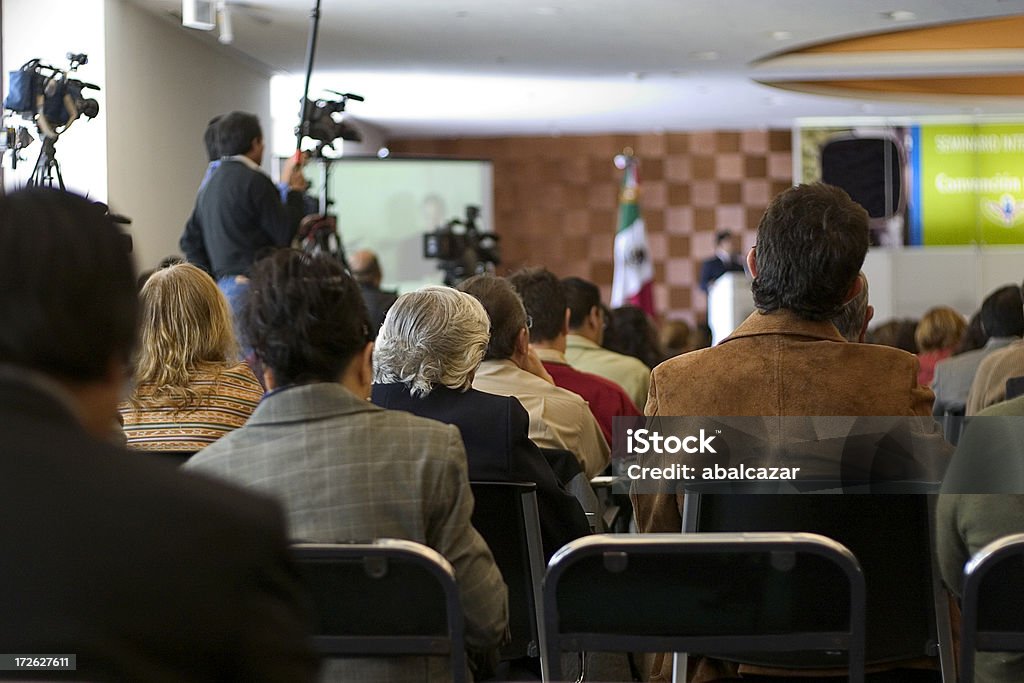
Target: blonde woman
<point>937,334</point>
<point>190,389</point>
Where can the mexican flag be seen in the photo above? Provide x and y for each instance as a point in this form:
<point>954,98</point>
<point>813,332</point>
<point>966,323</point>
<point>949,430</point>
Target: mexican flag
<point>634,272</point>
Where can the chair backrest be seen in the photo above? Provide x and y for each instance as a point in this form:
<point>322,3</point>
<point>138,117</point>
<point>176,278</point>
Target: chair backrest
<point>993,602</point>
<point>890,535</point>
<point>570,474</point>
<point>506,516</point>
<point>388,597</point>
<point>703,592</point>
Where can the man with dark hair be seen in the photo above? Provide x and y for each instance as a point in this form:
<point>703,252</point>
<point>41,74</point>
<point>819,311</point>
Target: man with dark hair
<point>238,212</point>
<point>726,259</point>
<point>143,572</point>
<point>365,268</point>
<point>587,323</point>
<point>345,469</point>
<point>212,149</point>
<point>558,418</point>
<point>1002,320</point>
<point>788,359</point>
<point>988,386</point>
<point>545,302</point>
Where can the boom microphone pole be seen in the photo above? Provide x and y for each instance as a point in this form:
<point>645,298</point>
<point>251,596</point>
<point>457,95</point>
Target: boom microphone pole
<point>310,53</point>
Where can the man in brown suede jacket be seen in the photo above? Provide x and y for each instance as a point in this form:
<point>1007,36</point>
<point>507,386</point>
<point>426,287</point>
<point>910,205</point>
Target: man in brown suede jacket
<point>787,358</point>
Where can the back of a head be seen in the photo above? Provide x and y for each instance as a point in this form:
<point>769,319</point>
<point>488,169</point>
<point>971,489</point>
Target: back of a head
<point>811,244</point>
<point>898,334</point>
<point>939,328</point>
<point>433,336</point>
<point>67,286</point>
<point>210,139</point>
<point>303,317</point>
<point>1002,313</point>
<point>675,336</point>
<point>631,333</point>
<point>544,298</point>
<point>505,310</point>
<point>581,297</point>
<point>849,320</point>
<point>186,322</point>
<point>236,132</point>
<point>365,268</point>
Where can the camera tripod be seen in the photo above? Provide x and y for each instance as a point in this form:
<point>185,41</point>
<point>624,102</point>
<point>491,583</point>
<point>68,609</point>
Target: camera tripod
<point>46,165</point>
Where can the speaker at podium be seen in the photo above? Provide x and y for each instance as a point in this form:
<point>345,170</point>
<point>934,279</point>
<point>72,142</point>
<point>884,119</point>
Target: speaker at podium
<point>730,301</point>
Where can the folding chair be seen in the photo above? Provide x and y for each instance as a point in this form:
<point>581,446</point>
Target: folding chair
<point>388,597</point>
<point>505,514</point>
<point>891,536</point>
<point>993,602</point>
<point>704,592</point>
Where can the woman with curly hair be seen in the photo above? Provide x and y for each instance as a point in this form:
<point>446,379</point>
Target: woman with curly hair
<point>190,389</point>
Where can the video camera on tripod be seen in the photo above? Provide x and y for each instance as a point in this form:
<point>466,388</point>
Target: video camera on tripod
<point>463,252</point>
<point>53,100</point>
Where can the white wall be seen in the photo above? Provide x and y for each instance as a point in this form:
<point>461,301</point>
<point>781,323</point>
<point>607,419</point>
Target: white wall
<point>49,31</point>
<point>164,86</point>
<point>904,283</point>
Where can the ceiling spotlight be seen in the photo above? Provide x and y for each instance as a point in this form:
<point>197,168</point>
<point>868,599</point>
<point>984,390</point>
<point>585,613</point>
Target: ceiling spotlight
<point>383,153</point>
<point>226,33</point>
<point>781,35</point>
<point>899,15</point>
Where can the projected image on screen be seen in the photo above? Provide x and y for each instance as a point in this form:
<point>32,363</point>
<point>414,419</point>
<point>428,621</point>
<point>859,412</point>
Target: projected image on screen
<point>388,204</point>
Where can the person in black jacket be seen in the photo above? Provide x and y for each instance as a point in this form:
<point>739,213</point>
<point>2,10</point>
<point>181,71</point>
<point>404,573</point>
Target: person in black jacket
<point>238,212</point>
<point>428,349</point>
<point>142,572</point>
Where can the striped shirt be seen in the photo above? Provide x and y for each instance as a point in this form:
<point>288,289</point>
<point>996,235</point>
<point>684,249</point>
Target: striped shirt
<point>226,398</point>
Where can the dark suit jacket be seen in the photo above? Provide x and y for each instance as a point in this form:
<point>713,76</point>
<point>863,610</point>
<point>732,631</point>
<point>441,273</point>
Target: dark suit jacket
<point>495,432</point>
<point>238,214</point>
<point>714,268</point>
<point>143,572</point>
<point>377,301</point>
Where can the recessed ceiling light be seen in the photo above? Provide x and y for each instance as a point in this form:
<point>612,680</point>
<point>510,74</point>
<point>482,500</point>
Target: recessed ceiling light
<point>899,15</point>
<point>704,55</point>
<point>781,35</point>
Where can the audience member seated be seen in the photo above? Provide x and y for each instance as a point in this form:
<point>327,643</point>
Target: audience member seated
<point>558,418</point>
<point>899,334</point>
<point>143,572</point>
<point>1002,319</point>
<point>583,347</point>
<point>854,316</point>
<point>980,503</point>
<point>675,337</point>
<point>544,299</point>
<point>365,268</point>
<point>432,343</point>
<point>974,337</point>
<point>989,385</point>
<point>787,358</point>
<point>190,390</point>
<point>631,333</point>
<point>345,469</point>
<point>937,334</point>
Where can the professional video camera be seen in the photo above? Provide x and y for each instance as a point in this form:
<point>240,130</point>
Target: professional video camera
<point>53,100</point>
<point>464,252</point>
<point>323,119</point>
<point>48,94</point>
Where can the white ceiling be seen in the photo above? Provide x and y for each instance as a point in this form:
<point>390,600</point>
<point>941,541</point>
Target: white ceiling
<point>506,67</point>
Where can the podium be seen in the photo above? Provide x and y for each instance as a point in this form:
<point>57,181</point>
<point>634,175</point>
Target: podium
<point>729,303</point>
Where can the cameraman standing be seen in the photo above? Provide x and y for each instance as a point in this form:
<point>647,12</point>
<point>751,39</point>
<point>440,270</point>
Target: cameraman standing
<point>239,212</point>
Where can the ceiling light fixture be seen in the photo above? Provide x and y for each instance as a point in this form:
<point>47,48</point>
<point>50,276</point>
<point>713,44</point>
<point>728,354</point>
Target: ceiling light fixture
<point>899,15</point>
<point>704,55</point>
<point>781,35</point>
